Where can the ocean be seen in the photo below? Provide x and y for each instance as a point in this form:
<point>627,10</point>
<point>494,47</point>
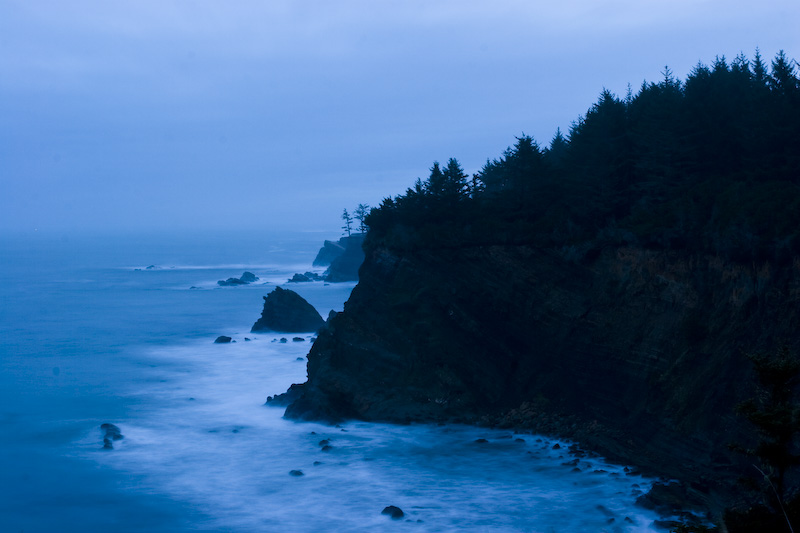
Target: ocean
<point>91,335</point>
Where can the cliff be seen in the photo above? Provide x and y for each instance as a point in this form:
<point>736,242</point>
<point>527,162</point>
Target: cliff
<point>345,265</point>
<point>607,287</point>
<point>636,353</point>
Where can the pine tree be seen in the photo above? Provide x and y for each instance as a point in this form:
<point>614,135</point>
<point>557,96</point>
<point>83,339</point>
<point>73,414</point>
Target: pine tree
<point>348,223</point>
<point>434,185</point>
<point>454,182</point>
<point>360,214</point>
<point>782,79</point>
<point>760,74</point>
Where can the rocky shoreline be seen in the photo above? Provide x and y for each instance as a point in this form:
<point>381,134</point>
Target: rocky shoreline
<point>635,354</point>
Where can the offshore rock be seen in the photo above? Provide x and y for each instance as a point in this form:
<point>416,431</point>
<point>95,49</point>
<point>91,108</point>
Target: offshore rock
<point>247,277</point>
<point>110,434</point>
<point>394,512</point>
<point>286,311</point>
<point>306,277</point>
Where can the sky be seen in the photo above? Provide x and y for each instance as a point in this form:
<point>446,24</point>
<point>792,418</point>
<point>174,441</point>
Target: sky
<point>246,115</point>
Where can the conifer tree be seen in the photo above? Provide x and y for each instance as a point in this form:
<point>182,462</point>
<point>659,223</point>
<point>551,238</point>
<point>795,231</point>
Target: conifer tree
<point>760,74</point>
<point>360,214</point>
<point>782,79</point>
<point>434,185</point>
<point>454,182</point>
<point>348,223</point>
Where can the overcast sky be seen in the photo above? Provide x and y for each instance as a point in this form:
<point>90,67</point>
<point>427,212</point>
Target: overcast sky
<point>260,115</point>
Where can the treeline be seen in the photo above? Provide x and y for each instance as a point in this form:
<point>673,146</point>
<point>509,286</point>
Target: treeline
<point>709,163</point>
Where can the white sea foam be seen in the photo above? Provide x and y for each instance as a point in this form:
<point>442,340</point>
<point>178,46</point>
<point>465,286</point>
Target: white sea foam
<point>206,438</point>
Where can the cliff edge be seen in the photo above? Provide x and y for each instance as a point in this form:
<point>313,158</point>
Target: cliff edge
<point>636,353</point>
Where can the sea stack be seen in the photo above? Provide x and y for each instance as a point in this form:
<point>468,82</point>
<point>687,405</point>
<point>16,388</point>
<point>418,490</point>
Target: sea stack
<point>286,311</point>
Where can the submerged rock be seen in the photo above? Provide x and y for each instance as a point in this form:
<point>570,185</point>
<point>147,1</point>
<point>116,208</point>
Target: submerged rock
<point>394,512</point>
<point>296,473</point>
<point>110,434</point>
<point>286,311</point>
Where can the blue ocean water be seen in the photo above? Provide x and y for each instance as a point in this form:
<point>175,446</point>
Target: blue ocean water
<point>91,335</point>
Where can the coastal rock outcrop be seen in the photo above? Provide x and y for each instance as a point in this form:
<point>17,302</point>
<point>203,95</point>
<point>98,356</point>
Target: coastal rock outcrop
<point>330,250</point>
<point>345,266</point>
<point>637,353</point>
<point>286,311</point>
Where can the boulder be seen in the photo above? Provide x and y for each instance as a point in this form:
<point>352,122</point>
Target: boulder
<point>222,339</point>
<point>286,311</point>
<point>393,511</point>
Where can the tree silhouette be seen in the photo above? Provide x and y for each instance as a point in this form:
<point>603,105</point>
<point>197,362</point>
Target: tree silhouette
<point>360,214</point>
<point>348,223</point>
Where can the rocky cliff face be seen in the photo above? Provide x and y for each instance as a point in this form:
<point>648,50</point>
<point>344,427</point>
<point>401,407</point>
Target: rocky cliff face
<point>637,353</point>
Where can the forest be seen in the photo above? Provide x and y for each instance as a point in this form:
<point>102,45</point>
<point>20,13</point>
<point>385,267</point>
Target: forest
<point>710,163</point>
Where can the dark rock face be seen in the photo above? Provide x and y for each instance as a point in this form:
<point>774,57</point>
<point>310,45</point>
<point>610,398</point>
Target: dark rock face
<point>223,339</point>
<point>635,353</point>
<point>330,250</point>
<point>345,266</point>
<point>283,400</point>
<point>286,311</point>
